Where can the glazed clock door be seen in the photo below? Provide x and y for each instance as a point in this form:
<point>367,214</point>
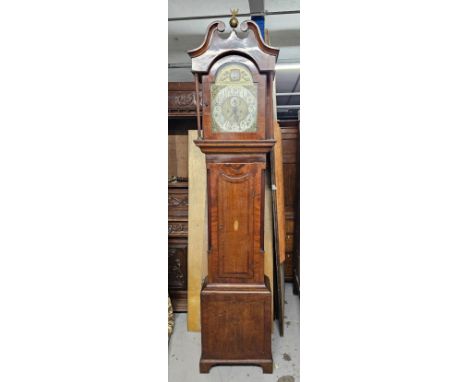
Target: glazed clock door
<point>236,253</point>
<point>234,100</point>
<point>232,94</point>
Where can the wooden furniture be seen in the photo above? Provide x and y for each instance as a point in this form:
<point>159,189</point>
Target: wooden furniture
<point>297,215</point>
<point>290,143</point>
<point>182,112</point>
<point>182,98</point>
<point>297,252</point>
<point>235,75</point>
<point>177,246</point>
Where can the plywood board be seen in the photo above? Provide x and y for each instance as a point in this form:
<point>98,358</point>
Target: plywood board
<point>197,231</point>
<point>279,185</point>
<point>278,226</point>
<point>268,239</point>
<point>276,162</point>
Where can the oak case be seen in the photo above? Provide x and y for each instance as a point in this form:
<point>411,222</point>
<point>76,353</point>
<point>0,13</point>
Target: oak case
<point>236,296</point>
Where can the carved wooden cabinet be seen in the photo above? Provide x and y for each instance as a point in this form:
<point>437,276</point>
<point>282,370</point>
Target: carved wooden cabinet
<point>290,140</point>
<point>181,112</point>
<point>178,267</point>
<point>178,244</point>
<point>182,99</point>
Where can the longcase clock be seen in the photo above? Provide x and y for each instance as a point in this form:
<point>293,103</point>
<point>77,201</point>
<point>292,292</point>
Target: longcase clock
<point>235,74</point>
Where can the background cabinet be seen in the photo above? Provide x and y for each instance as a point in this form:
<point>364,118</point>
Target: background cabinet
<point>178,244</point>
<point>182,117</point>
<point>290,138</point>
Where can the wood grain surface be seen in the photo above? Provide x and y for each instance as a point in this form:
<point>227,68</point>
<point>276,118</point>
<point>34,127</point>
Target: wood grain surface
<point>197,238</point>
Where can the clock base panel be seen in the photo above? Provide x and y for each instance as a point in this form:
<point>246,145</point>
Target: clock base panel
<point>236,326</point>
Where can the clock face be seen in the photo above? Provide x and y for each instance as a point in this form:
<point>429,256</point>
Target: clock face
<point>234,100</point>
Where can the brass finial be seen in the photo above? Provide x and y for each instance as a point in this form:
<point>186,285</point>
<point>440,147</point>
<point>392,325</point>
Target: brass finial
<point>233,22</point>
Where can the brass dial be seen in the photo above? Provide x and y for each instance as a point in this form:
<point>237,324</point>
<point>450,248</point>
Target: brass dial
<point>234,100</point>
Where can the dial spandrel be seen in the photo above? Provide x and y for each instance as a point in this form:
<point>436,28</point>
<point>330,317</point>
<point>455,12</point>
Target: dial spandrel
<point>234,100</point>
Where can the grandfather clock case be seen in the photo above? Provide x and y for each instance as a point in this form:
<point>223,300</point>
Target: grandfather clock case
<point>235,75</point>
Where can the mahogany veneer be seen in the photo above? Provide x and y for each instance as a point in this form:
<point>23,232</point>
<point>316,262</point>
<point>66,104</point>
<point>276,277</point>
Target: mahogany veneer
<point>236,295</point>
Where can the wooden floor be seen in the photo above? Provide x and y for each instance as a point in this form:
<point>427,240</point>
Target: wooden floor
<point>184,353</point>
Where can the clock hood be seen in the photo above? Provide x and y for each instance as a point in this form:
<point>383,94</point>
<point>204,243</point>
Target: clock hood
<point>248,43</point>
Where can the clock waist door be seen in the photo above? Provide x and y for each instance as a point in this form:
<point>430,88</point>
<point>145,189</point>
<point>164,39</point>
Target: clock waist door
<point>235,216</point>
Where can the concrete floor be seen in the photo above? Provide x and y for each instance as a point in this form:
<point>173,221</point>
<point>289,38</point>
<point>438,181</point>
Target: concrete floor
<point>185,348</point>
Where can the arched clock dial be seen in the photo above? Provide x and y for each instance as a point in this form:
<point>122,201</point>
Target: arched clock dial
<point>234,100</point>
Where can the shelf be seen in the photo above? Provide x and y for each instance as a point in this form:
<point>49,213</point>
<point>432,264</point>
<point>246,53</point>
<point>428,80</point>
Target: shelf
<point>178,185</point>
